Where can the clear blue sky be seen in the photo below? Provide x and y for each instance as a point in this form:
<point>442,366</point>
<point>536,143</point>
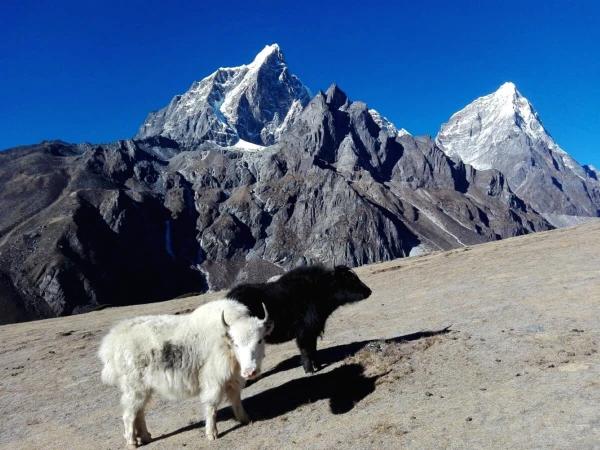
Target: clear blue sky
<point>91,70</point>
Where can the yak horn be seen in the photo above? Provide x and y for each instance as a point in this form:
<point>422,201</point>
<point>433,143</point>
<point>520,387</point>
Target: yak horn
<point>225,324</point>
<point>266,313</point>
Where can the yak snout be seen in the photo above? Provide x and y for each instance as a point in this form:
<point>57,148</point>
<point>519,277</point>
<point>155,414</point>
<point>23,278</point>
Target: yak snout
<point>250,374</point>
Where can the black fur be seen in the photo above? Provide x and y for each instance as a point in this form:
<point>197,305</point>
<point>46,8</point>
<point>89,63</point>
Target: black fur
<point>172,355</point>
<point>300,302</point>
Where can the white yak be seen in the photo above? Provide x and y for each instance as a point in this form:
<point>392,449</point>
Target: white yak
<point>209,352</point>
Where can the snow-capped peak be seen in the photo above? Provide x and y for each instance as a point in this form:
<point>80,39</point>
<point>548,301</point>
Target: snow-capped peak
<point>264,54</point>
<point>478,130</point>
<point>248,102</point>
<point>503,131</point>
<point>507,87</point>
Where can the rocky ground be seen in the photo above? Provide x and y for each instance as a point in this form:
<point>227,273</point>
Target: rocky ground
<point>518,367</point>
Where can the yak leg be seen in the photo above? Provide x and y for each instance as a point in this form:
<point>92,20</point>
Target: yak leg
<point>141,429</point>
<point>211,422</point>
<point>233,391</point>
<point>211,397</point>
<point>133,403</point>
<point>307,343</point>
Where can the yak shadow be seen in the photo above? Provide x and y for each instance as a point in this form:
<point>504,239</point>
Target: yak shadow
<point>222,415</point>
<point>343,386</point>
<point>331,355</point>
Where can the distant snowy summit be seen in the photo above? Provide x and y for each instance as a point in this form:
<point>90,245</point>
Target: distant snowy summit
<point>245,107</point>
<point>503,131</point>
<point>248,106</point>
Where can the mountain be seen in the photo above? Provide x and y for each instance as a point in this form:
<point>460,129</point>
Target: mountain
<point>504,132</point>
<point>176,211</point>
<point>144,220</point>
<point>249,105</point>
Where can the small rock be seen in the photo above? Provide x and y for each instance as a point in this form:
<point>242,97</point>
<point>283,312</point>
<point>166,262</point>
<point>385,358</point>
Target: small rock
<point>498,360</point>
<point>469,419</point>
<point>518,375</point>
<point>551,366</point>
<point>428,394</point>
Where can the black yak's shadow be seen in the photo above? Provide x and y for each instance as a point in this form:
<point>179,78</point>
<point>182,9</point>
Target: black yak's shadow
<point>331,355</point>
<point>344,387</point>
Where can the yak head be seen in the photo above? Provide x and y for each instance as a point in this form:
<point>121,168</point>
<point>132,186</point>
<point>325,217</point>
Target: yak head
<point>246,336</point>
<point>347,287</point>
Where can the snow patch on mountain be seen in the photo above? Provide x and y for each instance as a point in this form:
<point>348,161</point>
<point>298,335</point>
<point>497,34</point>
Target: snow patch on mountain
<point>248,146</point>
<point>386,125</point>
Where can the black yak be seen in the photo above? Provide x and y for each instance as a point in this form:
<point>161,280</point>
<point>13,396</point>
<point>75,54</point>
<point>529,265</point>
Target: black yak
<point>299,303</point>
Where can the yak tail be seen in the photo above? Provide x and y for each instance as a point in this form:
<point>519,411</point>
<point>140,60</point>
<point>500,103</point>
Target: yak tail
<point>108,375</point>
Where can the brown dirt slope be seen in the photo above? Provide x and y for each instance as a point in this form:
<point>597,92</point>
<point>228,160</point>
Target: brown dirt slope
<point>519,367</point>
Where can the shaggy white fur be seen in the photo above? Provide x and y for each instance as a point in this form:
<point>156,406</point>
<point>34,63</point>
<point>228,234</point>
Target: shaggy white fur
<point>209,352</point>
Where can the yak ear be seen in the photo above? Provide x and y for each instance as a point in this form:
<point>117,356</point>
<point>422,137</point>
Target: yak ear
<point>341,268</point>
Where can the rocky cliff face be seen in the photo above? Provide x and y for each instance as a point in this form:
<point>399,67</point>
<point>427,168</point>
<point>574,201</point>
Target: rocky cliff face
<point>84,225</point>
<point>502,131</point>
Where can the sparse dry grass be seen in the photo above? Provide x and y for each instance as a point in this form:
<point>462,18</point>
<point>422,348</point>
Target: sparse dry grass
<point>390,361</point>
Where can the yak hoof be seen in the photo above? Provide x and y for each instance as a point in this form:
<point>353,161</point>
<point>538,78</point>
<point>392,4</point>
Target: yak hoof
<point>211,435</point>
<point>145,438</point>
<point>244,419</point>
<point>310,367</point>
<point>132,446</point>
